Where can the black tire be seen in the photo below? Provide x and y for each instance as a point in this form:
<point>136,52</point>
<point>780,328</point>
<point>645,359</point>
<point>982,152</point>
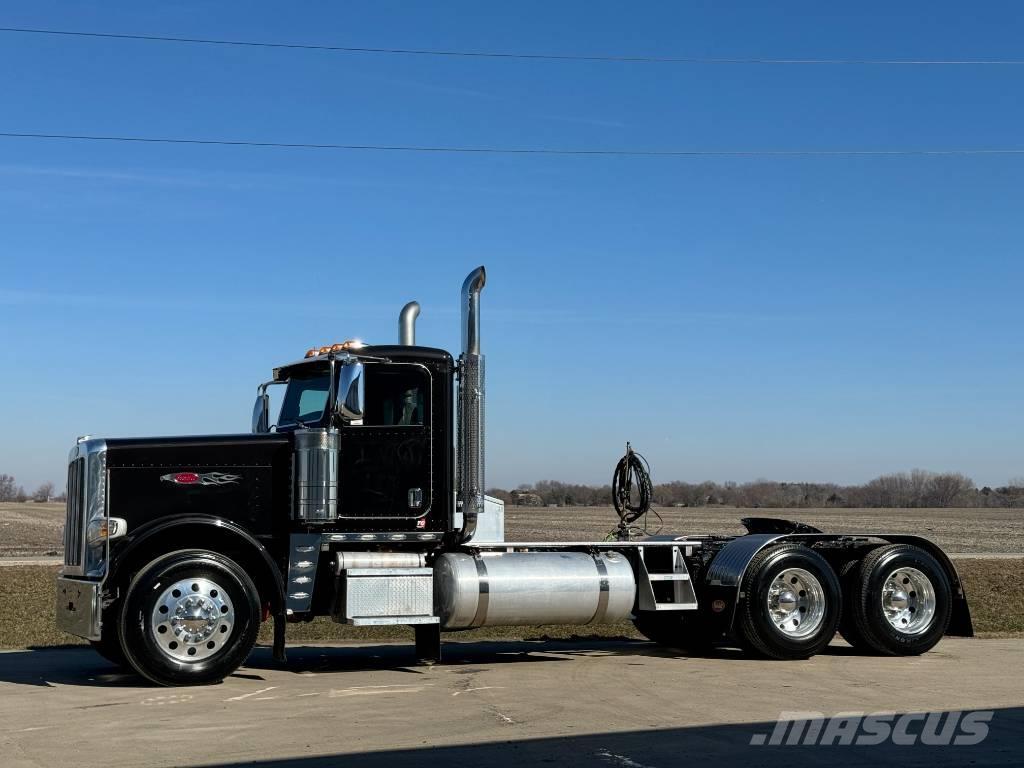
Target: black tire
<point>871,627</point>
<point>848,575</point>
<point>109,644</point>
<point>150,645</point>
<point>813,605</point>
<point>679,630</point>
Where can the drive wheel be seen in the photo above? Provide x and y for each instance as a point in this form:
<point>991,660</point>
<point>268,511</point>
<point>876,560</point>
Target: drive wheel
<point>791,603</point>
<point>900,603</point>
<point>681,630</point>
<point>189,618</point>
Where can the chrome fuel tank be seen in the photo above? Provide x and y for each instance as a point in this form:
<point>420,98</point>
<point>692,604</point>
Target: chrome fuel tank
<point>517,588</point>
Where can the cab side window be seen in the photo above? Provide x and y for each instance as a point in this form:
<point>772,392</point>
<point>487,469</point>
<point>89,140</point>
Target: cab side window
<point>396,396</point>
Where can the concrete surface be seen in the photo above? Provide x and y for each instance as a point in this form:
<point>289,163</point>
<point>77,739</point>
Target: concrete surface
<point>625,704</point>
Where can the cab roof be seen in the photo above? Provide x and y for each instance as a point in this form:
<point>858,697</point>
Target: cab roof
<point>375,352</point>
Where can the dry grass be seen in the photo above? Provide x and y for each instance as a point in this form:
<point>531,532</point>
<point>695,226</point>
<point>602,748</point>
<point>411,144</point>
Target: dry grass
<point>995,593</point>
<point>37,529</point>
<point>995,590</point>
<point>28,530</point>
<point>955,530</point>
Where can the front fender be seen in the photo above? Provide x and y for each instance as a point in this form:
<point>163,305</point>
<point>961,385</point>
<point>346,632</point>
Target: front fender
<point>178,531</point>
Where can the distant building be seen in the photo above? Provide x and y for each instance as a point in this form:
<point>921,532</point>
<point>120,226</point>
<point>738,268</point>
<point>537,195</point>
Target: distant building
<point>526,499</point>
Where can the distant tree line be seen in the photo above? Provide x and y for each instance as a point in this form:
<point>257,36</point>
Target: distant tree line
<point>11,491</point>
<point>918,488</point>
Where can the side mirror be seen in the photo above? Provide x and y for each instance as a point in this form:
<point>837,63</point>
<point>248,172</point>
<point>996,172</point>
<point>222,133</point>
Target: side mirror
<point>349,404</point>
<point>260,416</point>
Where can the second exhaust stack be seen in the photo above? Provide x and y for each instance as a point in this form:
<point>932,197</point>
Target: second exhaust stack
<point>407,324</point>
<point>471,407</point>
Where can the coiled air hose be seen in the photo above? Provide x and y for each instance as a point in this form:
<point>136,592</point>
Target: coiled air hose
<point>632,492</point>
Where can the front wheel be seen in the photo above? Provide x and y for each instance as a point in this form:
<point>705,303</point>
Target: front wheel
<point>189,618</point>
<point>791,603</point>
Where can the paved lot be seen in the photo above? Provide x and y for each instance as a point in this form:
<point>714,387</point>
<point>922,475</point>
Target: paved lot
<point>621,704</point>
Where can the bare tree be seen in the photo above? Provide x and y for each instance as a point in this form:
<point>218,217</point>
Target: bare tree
<point>945,488</point>
<point>8,490</point>
<point>918,487</point>
<point>43,493</point>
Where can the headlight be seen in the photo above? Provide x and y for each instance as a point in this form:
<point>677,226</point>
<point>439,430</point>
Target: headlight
<point>97,523</point>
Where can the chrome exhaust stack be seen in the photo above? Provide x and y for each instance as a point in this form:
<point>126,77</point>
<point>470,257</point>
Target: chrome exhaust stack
<point>407,324</point>
<point>470,463</point>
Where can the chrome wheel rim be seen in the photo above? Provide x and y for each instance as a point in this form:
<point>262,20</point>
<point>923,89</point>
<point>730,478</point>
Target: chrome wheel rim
<point>908,601</point>
<point>192,620</point>
<point>796,603</point>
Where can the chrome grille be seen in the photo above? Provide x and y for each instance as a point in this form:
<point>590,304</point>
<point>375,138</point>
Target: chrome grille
<point>73,523</point>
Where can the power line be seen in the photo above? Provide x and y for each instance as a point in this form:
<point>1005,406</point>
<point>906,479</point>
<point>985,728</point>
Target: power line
<point>525,56</point>
<point>522,150</point>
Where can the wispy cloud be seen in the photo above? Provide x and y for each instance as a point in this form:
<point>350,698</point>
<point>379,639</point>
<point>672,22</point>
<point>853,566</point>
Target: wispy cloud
<point>182,301</point>
<point>419,85</point>
<point>182,179</point>
<point>548,316</point>
<point>593,121</point>
<point>504,316</point>
<point>246,180</point>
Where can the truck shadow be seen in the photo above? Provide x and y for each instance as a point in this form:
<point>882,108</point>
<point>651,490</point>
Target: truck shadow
<point>50,666</point>
<point>338,658</point>
<point>738,745</point>
<point>81,666</point>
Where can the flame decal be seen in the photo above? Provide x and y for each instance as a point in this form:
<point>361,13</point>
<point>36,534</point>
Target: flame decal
<point>206,478</point>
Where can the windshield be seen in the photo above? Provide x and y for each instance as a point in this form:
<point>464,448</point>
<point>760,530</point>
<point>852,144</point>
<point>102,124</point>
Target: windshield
<point>304,401</point>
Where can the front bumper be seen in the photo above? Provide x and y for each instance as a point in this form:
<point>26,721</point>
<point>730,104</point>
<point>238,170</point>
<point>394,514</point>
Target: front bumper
<point>79,607</point>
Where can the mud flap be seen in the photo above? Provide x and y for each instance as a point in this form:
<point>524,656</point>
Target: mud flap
<point>428,643</point>
<point>279,634</point>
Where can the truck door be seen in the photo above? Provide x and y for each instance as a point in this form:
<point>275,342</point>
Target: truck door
<point>385,465</point>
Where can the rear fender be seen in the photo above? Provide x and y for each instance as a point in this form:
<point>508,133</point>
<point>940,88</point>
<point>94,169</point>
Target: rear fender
<point>724,575</point>
<point>960,623</point>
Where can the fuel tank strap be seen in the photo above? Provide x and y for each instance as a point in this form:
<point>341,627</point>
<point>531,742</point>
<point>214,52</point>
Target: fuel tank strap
<point>485,594</point>
<point>602,598</point>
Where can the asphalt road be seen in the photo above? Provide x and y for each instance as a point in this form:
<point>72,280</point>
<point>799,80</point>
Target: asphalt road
<point>619,704</point>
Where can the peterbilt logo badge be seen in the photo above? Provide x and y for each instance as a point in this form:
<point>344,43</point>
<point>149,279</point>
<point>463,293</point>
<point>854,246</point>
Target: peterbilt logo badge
<point>206,478</point>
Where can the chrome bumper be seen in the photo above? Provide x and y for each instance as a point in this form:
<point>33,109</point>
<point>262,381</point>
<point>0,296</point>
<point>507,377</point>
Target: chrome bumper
<point>79,607</point>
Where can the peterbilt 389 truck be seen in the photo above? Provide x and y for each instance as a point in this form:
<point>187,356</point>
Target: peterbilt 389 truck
<point>365,502</point>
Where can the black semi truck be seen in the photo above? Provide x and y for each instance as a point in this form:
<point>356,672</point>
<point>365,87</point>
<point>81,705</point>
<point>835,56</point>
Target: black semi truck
<point>365,502</point>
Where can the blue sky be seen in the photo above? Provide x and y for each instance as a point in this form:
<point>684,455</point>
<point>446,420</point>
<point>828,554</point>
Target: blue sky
<point>792,318</point>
